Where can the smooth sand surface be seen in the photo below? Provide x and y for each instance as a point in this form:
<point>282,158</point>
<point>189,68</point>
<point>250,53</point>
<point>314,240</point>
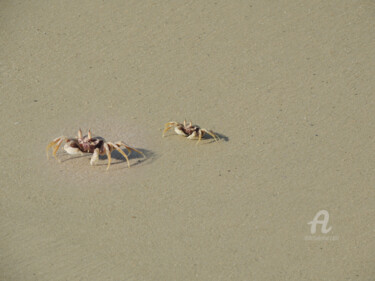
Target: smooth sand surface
<point>288,85</point>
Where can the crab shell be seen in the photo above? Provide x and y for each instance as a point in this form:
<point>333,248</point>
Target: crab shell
<point>191,132</point>
<point>84,145</point>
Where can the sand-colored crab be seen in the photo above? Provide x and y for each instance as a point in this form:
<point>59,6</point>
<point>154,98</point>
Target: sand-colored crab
<point>88,144</point>
<point>189,130</point>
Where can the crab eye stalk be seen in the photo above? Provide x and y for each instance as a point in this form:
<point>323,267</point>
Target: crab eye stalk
<point>79,134</point>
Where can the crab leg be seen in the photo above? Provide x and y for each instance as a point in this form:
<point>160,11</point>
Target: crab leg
<point>53,143</point>
<point>211,134</point>
<point>168,126</point>
<point>57,147</point>
<point>108,152</point>
<point>200,133</point>
<point>129,148</point>
<point>119,150</point>
<point>166,129</point>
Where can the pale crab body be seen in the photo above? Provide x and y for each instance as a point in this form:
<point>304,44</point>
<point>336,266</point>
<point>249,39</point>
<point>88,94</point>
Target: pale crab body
<point>180,132</point>
<point>190,134</point>
<point>71,149</point>
<point>87,144</point>
<point>189,130</point>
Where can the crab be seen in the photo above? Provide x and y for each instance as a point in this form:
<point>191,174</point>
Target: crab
<point>88,144</point>
<point>189,130</point>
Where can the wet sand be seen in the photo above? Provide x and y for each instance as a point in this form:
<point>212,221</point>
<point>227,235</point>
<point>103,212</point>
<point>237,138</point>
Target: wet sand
<point>289,88</point>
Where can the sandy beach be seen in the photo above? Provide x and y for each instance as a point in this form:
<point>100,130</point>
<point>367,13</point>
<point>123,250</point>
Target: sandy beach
<point>287,85</point>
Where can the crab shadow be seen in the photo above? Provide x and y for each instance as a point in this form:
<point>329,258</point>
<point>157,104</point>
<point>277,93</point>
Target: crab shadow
<point>222,137</point>
<point>149,157</point>
<point>138,159</point>
<point>207,139</point>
